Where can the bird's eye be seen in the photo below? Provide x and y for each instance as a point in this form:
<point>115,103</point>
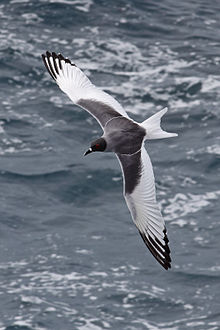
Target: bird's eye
<point>97,145</point>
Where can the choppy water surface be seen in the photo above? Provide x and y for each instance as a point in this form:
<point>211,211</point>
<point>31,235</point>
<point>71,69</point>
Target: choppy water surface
<point>70,256</point>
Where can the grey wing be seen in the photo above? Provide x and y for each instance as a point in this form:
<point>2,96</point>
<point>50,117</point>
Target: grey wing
<point>139,193</point>
<point>80,90</point>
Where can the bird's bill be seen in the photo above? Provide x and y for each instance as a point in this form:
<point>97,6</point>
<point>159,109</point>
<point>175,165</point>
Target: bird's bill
<point>88,151</point>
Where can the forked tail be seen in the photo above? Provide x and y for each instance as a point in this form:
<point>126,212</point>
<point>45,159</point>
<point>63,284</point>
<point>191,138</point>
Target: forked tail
<point>153,129</point>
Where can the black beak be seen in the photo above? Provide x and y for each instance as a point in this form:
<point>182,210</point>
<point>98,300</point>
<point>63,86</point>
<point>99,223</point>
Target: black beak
<point>88,152</point>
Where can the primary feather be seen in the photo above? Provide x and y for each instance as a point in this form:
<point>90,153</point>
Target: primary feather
<point>80,90</point>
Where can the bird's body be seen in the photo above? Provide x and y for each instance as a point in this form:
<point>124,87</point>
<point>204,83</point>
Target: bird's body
<point>125,138</point>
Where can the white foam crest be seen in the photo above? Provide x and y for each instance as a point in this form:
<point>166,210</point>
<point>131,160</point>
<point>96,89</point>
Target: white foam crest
<point>59,41</point>
<point>22,323</point>
<point>89,324</point>
<point>211,83</point>
<point>83,5</point>
<point>11,264</point>
<point>181,205</point>
<point>31,299</point>
<point>195,324</point>
<point>49,276</point>
<point>157,290</point>
<point>178,104</point>
<point>190,80</point>
<point>19,1</point>
<point>59,101</point>
<point>83,251</point>
<point>175,324</point>
<point>212,269</point>
<point>213,149</point>
<point>147,324</point>
<point>177,64</point>
<point>25,323</point>
<point>31,18</point>
<point>96,273</point>
<point>201,240</point>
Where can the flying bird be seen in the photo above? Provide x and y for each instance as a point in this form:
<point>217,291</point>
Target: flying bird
<point>125,137</point>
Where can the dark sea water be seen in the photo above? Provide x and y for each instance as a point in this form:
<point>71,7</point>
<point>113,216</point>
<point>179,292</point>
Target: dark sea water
<point>70,256</point>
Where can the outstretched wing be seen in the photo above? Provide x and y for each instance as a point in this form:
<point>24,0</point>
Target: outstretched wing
<point>80,90</point>
<point>139,193</point>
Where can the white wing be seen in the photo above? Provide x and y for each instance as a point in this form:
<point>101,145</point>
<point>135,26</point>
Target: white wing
<point>80,90</point>
<point>139,193</point>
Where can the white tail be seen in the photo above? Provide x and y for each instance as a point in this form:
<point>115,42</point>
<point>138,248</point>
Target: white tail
<point>153,129</point>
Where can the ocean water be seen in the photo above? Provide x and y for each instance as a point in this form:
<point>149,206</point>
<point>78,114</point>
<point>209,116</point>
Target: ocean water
<point>71,257</point>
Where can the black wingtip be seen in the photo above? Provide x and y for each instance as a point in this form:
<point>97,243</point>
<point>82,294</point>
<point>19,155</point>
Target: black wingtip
<point>66,60</point>
<point>46,65</point>
<point>51,63</point>
<point>60,56</point>
<point>48,53</point>
<point>54,56</point>
<point>160,252</point>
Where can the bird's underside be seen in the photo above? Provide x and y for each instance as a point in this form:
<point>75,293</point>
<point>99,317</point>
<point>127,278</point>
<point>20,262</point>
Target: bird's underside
<point>139,193</point>
<point>138,177</point>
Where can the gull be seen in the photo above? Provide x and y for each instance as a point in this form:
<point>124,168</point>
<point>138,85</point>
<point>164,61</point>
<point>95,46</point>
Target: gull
<point>125,137</point>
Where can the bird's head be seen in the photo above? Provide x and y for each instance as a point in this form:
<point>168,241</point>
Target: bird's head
<point>97,145</point>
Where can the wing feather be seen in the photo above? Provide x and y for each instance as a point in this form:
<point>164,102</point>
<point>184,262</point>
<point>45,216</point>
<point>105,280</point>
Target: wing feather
<point>80,90</point>
<point>143,206</point>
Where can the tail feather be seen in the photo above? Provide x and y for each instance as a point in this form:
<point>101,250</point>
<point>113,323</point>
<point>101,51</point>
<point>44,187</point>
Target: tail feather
<point>153,129</point>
